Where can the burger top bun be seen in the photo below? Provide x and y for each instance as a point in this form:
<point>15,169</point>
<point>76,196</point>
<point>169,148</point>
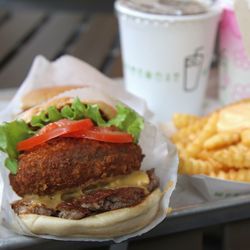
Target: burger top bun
<point>38,96</point>
<point>87,96</point>
<point>105,225</point>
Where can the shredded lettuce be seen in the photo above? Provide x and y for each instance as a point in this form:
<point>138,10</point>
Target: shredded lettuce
<point>11,133</point>
<point>76,111</point>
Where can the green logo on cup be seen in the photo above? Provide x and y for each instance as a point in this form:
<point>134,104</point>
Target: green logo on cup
<point>192,72</point>
<point>153,75</point>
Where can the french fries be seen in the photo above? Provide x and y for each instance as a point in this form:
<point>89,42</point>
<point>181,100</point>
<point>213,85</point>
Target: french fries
<point>183,120</point>
<point>205,149</point>
<point>221,140</point>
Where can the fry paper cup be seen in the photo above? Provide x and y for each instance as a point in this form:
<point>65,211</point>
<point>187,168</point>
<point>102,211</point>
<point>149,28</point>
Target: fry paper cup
<point>210,188</point>
<point>214,188</point>
<point>160,153</point>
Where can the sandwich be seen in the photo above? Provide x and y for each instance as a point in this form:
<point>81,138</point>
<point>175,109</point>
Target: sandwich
<point>75,164</point>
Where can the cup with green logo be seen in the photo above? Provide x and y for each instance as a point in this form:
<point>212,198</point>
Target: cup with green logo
<point>167,47</point>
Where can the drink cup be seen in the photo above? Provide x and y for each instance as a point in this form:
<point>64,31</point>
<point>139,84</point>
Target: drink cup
<point>234,61</point>
<point>166,58</point>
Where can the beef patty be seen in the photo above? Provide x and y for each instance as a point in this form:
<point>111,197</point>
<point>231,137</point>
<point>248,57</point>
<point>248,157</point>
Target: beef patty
<point>92,202</point>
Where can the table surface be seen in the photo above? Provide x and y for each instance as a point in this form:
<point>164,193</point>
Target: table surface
<point>27,33</point>
<point>93,38</point>
<point>68,5</point>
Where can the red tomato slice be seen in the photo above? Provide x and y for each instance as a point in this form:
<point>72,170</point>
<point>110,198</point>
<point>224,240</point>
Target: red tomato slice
<point>66,123</point>
<point>103,134</point>
<point>54,130</point>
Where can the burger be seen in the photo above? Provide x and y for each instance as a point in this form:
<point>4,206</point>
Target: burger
<point>75,164</point>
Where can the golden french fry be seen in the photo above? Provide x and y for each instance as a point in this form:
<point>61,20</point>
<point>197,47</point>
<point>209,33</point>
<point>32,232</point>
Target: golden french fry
<point>212,174</point>
<point>233,175</point>
<point>245,137</point>
<point>221,140</point>
<point>193,166</point>
<point>209,129</point>
<point>180,147</point>
<point>205,155</point>
<point>188,133</point>
<point>183,120</point>
<point>236,156</point>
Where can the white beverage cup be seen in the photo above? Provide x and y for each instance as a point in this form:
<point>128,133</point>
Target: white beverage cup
<point>166,59</point>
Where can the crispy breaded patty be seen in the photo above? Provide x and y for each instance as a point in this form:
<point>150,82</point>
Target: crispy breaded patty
<point>64,163</point>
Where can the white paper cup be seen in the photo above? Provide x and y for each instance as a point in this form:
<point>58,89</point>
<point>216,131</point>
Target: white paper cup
<point>166,59</point>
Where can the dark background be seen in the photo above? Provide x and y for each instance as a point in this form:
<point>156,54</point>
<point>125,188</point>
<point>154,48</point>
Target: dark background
<point>74,5</point>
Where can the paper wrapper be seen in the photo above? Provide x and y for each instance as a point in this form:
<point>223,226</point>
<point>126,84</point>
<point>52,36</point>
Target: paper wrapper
<point>209,187</point>
<point>160,154</point>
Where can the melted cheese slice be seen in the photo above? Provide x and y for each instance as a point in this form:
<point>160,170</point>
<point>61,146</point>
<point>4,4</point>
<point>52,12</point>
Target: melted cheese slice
<point>235,117</point>
<point>135,179</point>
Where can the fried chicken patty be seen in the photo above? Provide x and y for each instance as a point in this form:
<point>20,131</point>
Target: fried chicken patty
<point>64,163</point>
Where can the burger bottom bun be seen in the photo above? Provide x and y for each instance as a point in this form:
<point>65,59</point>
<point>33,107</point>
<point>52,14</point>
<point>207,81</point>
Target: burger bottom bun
<point>105,225</point>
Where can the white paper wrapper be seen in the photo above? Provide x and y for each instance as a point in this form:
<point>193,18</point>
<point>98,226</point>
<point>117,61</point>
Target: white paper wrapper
<point>160,154</point>
<point>68,70</point>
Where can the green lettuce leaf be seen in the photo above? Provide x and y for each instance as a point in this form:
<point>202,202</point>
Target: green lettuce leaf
<point>40,120</point>
<point>53,114</point>
<point>68,113</point>
<point>12,165</point>
<point>10,134</point>
<point>128,120</point>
